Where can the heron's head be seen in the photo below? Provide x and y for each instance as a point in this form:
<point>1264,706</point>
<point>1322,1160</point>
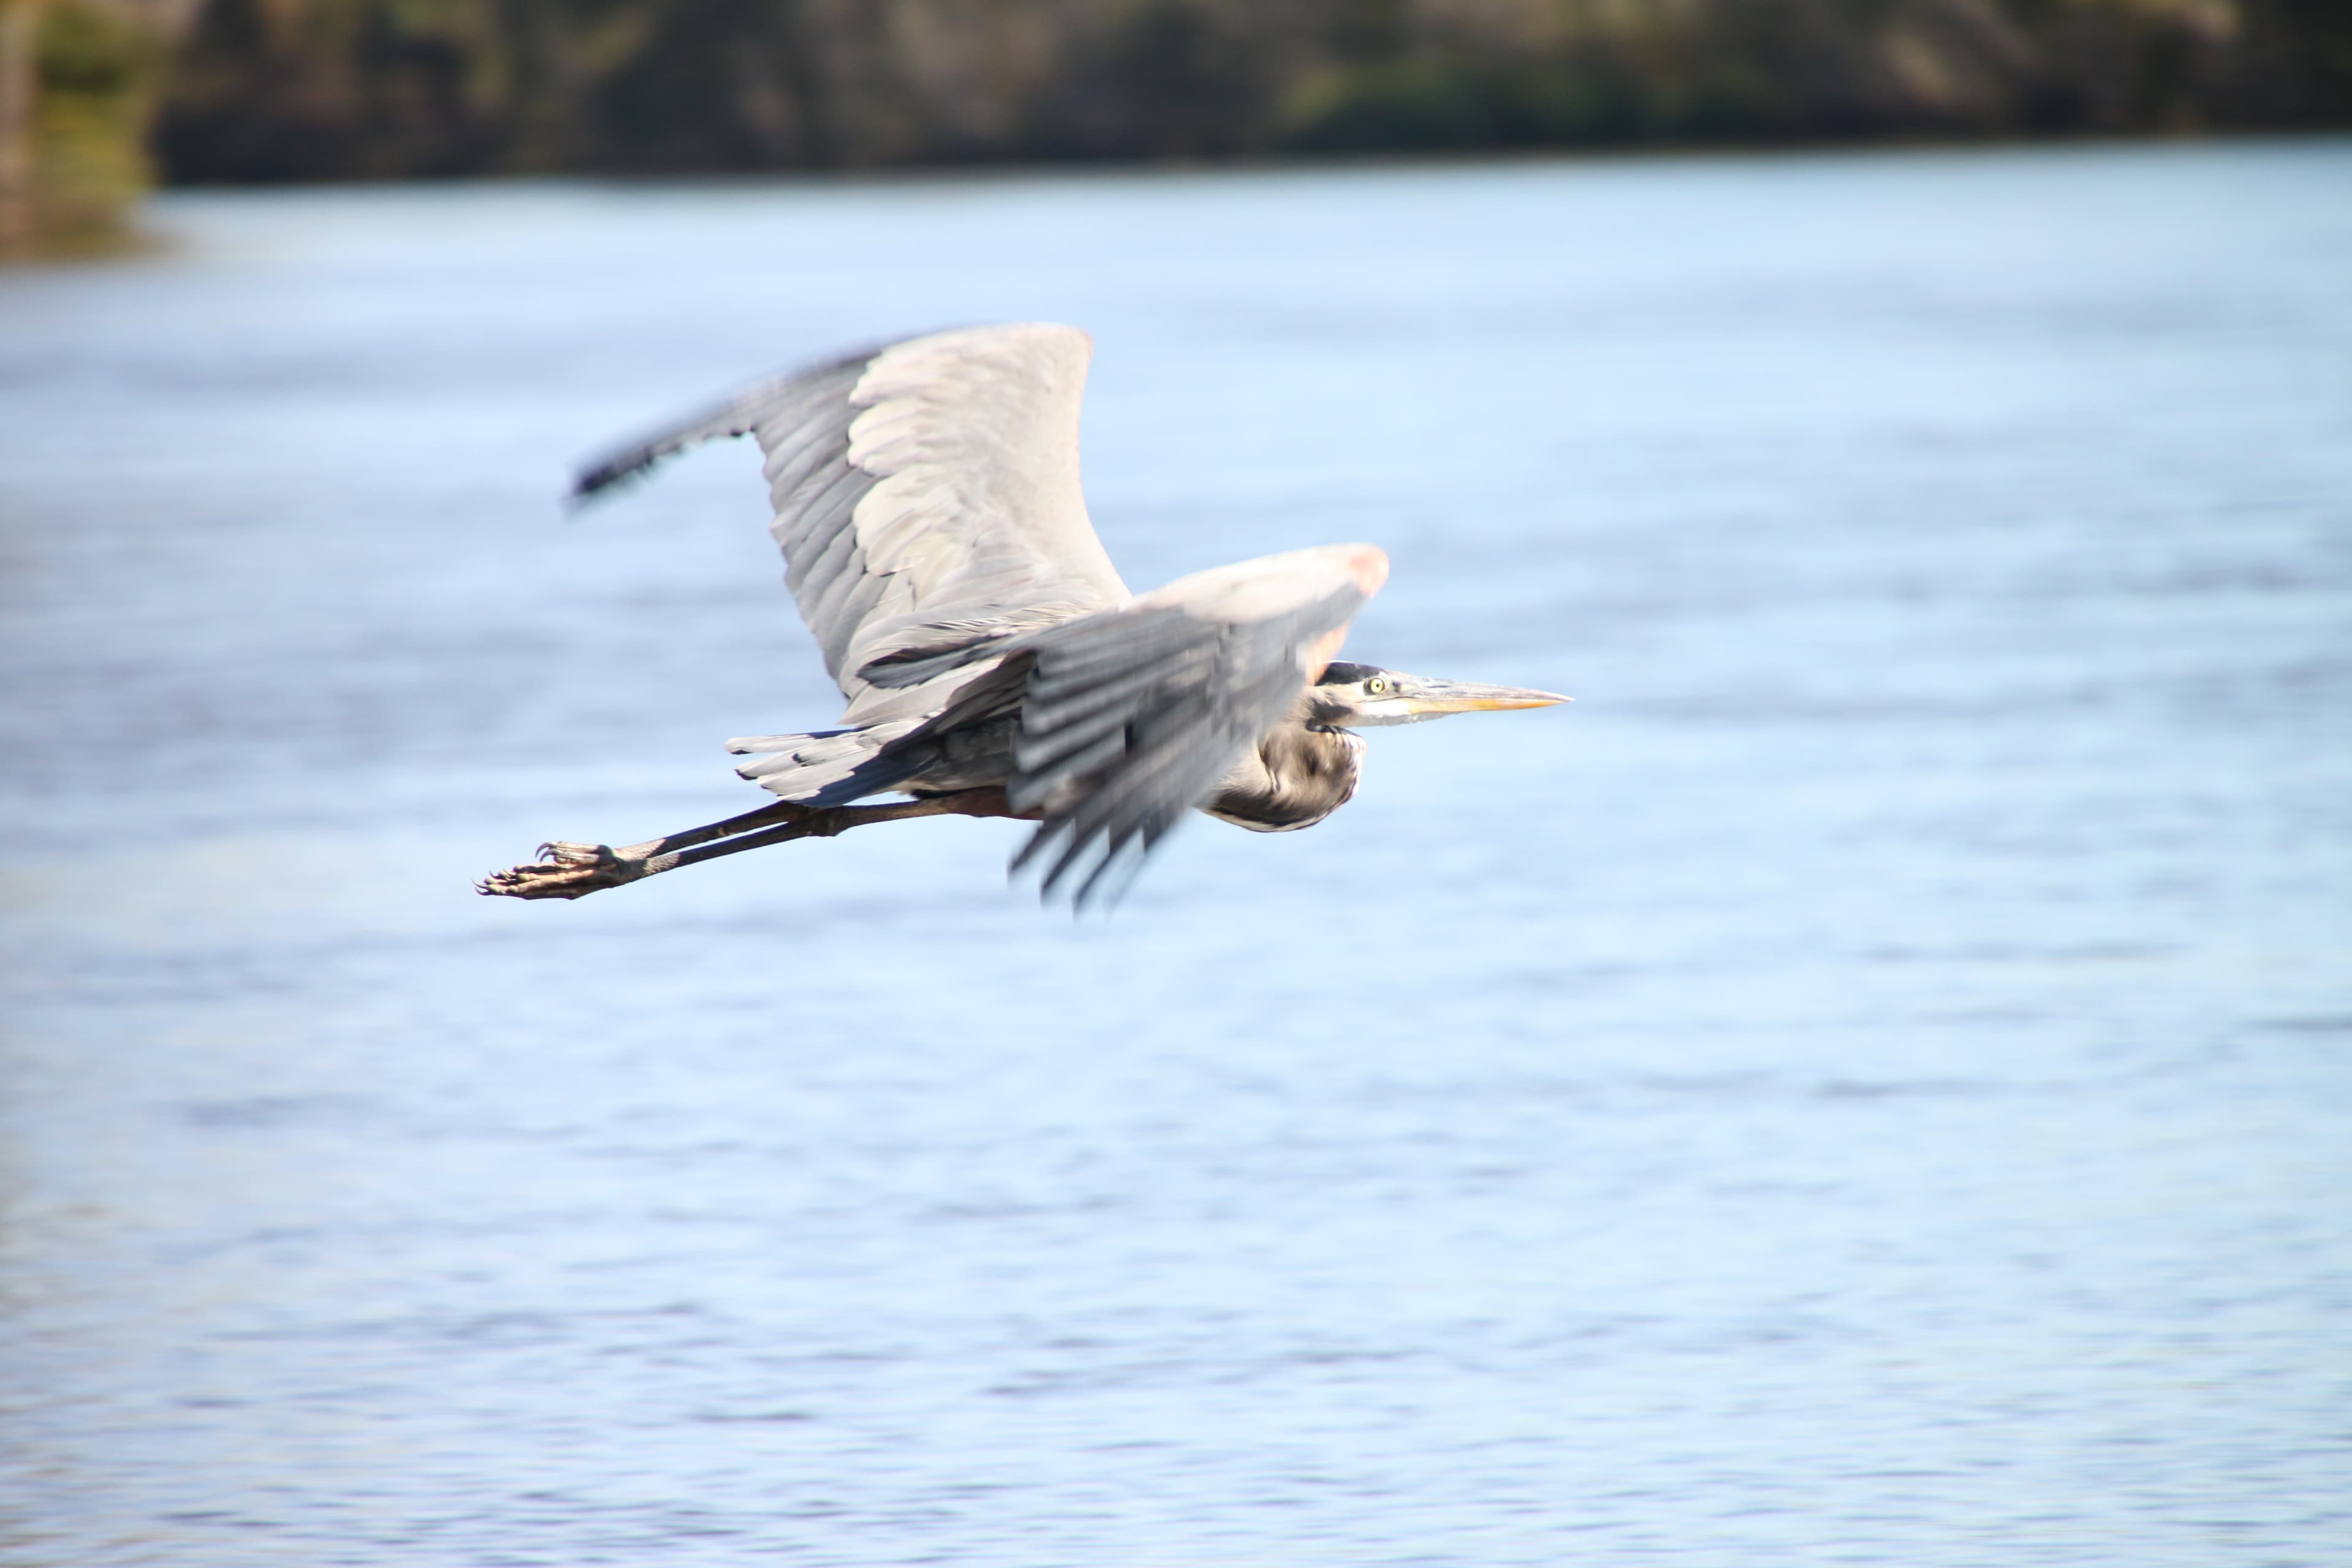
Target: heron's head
<point>1353,696</point>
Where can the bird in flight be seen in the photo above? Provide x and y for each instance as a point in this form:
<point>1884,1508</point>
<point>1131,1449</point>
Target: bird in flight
<point>937,543</point>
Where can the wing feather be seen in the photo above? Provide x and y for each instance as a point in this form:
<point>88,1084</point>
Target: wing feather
<point>949,463</point>
<point>821,561</point>
<point>1132,717</point>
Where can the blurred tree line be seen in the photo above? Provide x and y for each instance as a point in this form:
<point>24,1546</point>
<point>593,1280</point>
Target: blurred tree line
<point>311,89</point>
<point>79,84</point>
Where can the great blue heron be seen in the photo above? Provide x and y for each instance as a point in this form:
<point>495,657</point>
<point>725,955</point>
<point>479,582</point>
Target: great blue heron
<point>934,535</point>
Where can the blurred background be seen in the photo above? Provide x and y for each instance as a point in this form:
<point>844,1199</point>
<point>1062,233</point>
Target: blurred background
<point>1866,1084</point>
<point>98,96</point>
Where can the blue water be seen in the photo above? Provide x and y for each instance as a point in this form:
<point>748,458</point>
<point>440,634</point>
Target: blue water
<point>1867,1084</point>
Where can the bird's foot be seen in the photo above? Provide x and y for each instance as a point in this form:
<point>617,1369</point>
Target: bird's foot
<point>565,872</point>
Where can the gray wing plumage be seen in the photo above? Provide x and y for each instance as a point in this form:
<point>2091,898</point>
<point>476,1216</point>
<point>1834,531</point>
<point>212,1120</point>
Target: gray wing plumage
<point>1130,718</point>
<point>927,502</point>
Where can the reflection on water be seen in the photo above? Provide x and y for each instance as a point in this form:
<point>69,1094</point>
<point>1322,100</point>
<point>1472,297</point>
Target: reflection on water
<point>1865,1084</point>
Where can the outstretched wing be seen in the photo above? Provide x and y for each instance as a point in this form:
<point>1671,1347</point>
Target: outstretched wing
<point>1130,718</point>
<point>927,501</point>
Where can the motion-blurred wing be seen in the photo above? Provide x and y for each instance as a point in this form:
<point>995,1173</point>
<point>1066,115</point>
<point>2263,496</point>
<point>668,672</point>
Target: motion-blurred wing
<point>1130,718</point>
<point>927,500</point>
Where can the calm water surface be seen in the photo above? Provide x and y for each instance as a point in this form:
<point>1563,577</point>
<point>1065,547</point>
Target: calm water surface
<point>1867,1084</point>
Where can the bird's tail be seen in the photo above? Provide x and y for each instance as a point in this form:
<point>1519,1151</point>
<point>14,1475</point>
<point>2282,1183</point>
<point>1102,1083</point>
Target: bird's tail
<point>829,767</point>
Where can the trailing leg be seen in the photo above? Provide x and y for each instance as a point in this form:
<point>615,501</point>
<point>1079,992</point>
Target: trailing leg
<point>570,870</point>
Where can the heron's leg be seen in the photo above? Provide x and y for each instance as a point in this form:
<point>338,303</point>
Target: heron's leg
<point>570,870</point>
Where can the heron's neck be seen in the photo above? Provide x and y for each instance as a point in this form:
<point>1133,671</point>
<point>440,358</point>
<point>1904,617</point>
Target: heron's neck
<point>1298,775</point>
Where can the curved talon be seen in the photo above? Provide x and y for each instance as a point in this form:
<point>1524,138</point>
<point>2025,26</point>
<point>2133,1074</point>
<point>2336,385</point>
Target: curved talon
<point>563,872</point>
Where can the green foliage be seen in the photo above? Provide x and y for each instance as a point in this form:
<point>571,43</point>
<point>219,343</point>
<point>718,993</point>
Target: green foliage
<point>97,74</point>
<point>268,89</point>
<point>1459,104</point>
<point>336,89</point>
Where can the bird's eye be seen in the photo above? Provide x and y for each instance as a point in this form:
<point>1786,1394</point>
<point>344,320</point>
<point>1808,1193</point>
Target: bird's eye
<point>1375,686</point>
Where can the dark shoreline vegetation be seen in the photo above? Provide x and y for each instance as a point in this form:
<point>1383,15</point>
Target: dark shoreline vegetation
<point>108,94</point>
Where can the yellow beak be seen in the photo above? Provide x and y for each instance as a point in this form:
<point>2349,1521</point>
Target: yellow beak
<point>1435,696</point>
